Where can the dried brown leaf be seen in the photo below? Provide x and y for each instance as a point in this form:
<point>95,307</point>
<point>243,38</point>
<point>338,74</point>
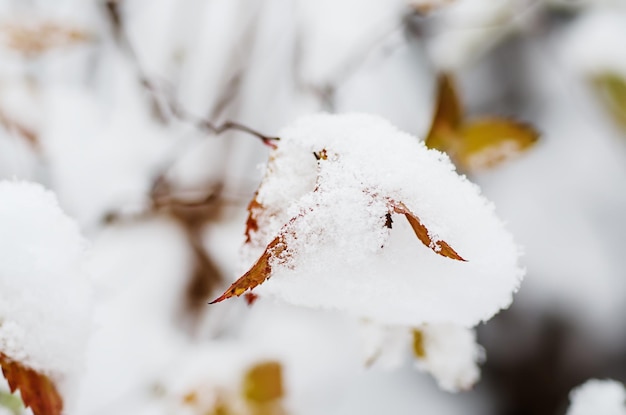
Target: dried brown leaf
<point>251,223</point>
<point>440,247</point>
<point>250,298</point>
<point>259,272</point>
<point>37,390</point>
<point>33,38</point>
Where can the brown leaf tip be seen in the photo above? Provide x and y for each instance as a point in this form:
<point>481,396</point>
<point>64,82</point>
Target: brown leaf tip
<point>37,390</point>
<point>251,298</point>
<point>440,247</point>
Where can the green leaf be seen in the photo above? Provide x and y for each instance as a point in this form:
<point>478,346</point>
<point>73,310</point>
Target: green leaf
<point>612,90</point>
<point>11,401</point>
<point>37,390</point>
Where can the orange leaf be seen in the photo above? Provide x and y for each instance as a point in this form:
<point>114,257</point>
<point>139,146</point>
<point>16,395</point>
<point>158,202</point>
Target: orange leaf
<point>259,272</point>
<point>37,390</point>
<point>440,247</point>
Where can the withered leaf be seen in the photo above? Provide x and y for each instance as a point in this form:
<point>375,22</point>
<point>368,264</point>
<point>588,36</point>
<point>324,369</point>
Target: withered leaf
<point>489,141</point>
<point>250,298</point>
<point>474,144</point>
<point>612,90</point>
<point>448,115</point>
<point>440,247</point>
<point>251,223</point>
<point>263,383</point>
<point>259,272</point>
<point>40,37</point>
<point>418,344</point>
<point>37,390</point>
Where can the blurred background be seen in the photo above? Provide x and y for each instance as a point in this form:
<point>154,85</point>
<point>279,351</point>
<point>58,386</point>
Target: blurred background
<point>114,105</point>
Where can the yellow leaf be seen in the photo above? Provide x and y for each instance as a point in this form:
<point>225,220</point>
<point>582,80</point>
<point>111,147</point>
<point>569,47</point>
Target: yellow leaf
<point>476,144</point>
<point>612,89</point>
<point>263,383</point>
<point>37,390</point>
<point>447,118</point>
<point>418,344</point>
<point>489,141</point>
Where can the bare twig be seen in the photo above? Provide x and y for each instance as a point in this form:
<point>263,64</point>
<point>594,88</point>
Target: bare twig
<point>163,97</point>
<point>217,129</point>
<point>11,125</point>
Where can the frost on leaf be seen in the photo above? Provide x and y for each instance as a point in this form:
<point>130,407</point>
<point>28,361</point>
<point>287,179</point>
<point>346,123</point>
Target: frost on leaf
<point>474,144</point>
<point>324,227</point>
<point>37,390</point>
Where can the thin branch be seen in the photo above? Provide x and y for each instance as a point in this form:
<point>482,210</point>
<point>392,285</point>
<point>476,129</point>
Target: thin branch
<point>163,96</point>
<point>11,125</point>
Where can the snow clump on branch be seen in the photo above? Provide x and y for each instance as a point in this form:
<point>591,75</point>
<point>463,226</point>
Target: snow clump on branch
<point>338,220</point>
<point>605,397</point>
<point>45,298</point>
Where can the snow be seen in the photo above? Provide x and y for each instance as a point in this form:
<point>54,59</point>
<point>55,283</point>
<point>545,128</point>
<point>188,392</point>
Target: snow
<point>448,352</point>
<point>466,29</point>
<point>383,346</point>
<point>598,397</point>
<point>100,148</point>
<point>45,296</point>
<point>603,28</point>
<point>451,355</point>
<point>340,253</point>
<point>115,154</point>
<point>329,44</point>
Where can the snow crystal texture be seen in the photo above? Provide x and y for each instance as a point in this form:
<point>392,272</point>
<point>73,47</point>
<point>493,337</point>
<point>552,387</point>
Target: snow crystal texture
<point>45,313</point>
<point>341,252</point>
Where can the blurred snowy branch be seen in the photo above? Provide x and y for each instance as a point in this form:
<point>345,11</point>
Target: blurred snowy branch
<point>109,104</point>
